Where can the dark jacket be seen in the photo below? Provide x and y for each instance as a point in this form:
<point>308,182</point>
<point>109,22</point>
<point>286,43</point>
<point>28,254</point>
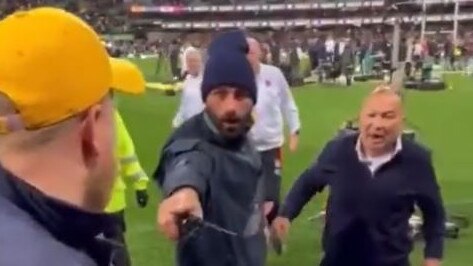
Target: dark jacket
<point>367,215</point>
<point>228,178</point>
<point>36,230</point>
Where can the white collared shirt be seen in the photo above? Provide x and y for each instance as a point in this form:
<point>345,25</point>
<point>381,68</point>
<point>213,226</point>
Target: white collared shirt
<point>374,163</point>
<point>275,102</point>
<point>191,100</point>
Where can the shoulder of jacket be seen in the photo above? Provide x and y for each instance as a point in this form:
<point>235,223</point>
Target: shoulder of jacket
<point>182,145</point>
<point>24,242</point>
<point>416,151</point>
<point>335,149</point>
<point>342,142</point>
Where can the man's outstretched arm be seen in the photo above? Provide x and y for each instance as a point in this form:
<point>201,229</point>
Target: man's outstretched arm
<point>182,176</point>
<point>311,181</point>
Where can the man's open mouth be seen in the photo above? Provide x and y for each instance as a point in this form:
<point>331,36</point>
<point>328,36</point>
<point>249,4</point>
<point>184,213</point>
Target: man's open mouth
<point>231,122</point>
<point>377,137</point>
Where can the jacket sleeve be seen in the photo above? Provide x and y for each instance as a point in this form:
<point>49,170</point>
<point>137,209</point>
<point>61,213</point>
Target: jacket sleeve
<point>184,165</point>
<point>179,117</point>
<point>429,200</point>
<point>312,180</point>
<point>130,167</point>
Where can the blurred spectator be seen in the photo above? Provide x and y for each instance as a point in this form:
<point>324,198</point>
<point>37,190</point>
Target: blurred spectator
<point>101,14</point>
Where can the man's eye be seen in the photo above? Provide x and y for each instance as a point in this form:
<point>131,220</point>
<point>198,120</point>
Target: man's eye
<point>389,115</point>
<point>220,93</point>
<point>240,95</point>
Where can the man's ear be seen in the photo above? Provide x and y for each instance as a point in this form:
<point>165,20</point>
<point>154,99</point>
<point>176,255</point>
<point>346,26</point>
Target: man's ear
<point>87,128</point>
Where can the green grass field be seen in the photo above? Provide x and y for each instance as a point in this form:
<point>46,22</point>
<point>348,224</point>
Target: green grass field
<point>443,121</point>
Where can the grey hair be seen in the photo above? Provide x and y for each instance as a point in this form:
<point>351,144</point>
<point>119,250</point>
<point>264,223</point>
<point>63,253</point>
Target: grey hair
<point>191,51</point>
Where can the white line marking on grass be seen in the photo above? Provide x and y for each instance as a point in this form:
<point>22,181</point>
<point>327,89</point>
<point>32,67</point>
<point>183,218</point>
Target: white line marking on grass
<point>459,203</point>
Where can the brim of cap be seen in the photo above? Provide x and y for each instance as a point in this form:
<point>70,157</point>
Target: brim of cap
<point>127,77</point>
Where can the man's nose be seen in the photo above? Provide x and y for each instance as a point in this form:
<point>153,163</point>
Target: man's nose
<point>377,123</point>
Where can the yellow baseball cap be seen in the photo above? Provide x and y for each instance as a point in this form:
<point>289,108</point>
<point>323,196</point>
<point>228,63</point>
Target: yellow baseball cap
<point>52,67</point>
<point>127,77</point>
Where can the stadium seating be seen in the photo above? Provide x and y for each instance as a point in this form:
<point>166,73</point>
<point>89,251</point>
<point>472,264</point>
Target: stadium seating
<point>231,2</point>
<point>104,15</point>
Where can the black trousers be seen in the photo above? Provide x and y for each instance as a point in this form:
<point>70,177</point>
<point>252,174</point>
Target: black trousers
<point>287,71</point>
<point>175,70</point>
<point>272,160</point>
<point>116,232</point>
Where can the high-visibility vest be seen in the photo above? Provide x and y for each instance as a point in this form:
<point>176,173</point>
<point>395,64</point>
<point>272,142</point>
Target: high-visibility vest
<point>128,167</point>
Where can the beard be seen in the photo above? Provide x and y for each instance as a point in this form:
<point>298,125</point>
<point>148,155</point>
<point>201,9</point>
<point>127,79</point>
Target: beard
<point>231,125</point>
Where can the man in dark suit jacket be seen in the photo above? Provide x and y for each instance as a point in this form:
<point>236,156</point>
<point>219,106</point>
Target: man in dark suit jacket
<point>376,178</point>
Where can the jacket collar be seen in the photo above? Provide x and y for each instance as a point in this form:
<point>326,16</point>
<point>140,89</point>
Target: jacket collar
<point>74,227</point>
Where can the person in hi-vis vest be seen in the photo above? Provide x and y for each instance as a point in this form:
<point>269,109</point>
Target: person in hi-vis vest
<point>128,166</point>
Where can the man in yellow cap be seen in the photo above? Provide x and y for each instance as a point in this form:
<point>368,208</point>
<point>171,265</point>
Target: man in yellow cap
<point>127,79</point>
<point>56,141</point>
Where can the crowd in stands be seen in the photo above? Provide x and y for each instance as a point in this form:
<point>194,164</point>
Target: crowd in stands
<point>288,51</point>
<point>229,2</point>
<point>282,49</point>
<point>105,15</point>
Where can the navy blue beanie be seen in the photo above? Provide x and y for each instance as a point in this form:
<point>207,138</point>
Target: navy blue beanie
<point>227,65</point>
<point>232,40</point>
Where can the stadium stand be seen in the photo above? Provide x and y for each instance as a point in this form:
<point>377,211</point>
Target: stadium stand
<point>306,39</point>
<point>291,30</point>
<point>107,16</point>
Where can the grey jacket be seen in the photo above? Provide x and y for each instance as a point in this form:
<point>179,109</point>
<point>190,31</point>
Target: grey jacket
<point>39,231</point>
